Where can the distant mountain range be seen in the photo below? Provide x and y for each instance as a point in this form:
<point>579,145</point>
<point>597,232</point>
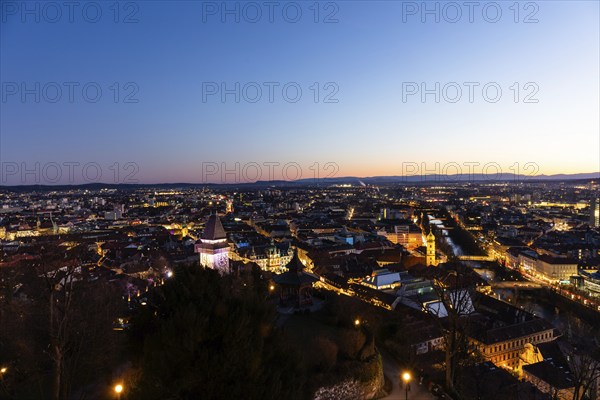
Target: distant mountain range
<point>347,180</point>
<point>504,177</point>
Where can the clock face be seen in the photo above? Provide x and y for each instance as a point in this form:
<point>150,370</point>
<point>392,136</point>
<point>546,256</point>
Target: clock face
<point>221,261</point>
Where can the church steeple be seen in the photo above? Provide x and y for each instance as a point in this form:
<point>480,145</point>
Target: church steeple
<point>430,239</point>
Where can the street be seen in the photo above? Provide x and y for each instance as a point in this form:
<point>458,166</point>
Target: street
<point>392,370</point>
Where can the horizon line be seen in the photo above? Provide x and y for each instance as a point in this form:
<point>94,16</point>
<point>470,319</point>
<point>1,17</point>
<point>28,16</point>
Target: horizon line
<point>462,178</point>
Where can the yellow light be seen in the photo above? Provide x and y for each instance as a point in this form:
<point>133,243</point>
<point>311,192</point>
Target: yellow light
<point>271,288</point>
<point>357,322</point>
<point>118,388</point>
<point>3,370</point>
<point>406,377</point>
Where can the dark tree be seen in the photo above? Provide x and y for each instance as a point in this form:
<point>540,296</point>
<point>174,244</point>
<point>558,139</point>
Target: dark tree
<point>212,337</point>
<point>58,338</point>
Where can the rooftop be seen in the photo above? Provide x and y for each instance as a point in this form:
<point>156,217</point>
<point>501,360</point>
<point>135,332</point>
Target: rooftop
<point>214,229</point>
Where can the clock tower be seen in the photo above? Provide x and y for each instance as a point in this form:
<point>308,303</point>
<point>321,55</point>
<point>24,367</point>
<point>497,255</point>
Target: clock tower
<point>213,247</point>
<point>431,249</point>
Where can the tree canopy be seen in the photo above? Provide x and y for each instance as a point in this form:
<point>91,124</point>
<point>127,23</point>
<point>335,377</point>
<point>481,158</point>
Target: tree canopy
<point>202,336</point>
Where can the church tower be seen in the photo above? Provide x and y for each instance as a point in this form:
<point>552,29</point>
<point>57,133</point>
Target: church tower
<point>430,238</point>
<point>213,247</point>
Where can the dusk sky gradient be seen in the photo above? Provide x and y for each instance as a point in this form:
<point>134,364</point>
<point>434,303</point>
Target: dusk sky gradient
<point>368,54</point>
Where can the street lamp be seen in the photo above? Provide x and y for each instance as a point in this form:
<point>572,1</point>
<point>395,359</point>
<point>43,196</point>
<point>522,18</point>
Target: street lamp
<point>406,379</point>
<point>356,322</point>
<point>118,390</point>
<point>2,373</point>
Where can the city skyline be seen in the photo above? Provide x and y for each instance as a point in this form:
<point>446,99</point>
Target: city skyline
<point>196,83</point>
<point>300,200</point>
<point>359,284</point>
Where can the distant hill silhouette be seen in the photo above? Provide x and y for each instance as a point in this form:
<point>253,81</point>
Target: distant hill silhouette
<point>353,180</point>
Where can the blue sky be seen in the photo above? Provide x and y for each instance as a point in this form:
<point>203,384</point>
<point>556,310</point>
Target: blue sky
<point>368,57</point>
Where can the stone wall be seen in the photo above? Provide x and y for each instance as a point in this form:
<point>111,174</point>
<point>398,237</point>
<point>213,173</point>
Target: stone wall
<point>356,389</point>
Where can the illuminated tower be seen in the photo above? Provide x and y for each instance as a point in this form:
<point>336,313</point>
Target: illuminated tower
<point>430,238</point>
<point>184,228</point>
<point>229,206</point>
<point>213,247</point>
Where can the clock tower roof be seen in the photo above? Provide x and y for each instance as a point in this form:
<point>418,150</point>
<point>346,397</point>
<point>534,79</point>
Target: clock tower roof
<point>214,229</point>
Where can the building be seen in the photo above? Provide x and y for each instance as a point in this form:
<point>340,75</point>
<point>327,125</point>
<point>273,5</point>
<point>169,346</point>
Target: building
<point>528,260</point>
<point>595,212</point>
<point>413,286</point>
<point>424,336</point>
<point>416,292</point>
<point>272,257</point>
<point>543,266</point>
<point>555,269</point>
<point>501,245</point>
<point>486,381</point>
<point>213,247</point>
<point>591,281</point>
<point>382,279</point>
<point>504,345</point>
<point>408,236</point>
<point>295,285</point>
<point>555,380</point>
<point>503,333</point>
<point>430,239</point>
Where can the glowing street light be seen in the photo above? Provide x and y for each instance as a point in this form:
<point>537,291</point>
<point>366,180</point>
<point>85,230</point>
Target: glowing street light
<point>3,370</point>
<point>272,287</point>
<point>118,390</point>
<point>356,322</point>
<point>406,378</point>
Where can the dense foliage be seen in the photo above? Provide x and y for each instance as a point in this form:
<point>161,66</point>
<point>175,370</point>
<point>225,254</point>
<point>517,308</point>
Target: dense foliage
<point>56,336</point>
<point>206,336</point>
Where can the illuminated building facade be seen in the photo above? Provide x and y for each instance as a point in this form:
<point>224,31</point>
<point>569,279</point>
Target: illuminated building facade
<point>403,235</point>
<point>271,258</point>
<point>510,346</point>
<point>555,269</point>
<point>382,279</point>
